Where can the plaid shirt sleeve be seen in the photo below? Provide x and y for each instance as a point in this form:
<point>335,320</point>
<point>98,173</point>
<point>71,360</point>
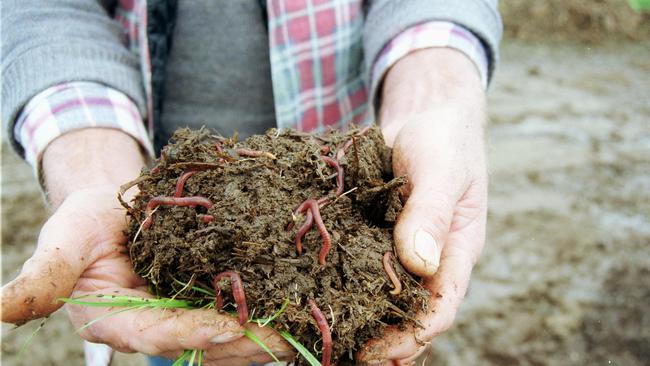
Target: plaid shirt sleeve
<point>426,35</point>
<point>72,106</point>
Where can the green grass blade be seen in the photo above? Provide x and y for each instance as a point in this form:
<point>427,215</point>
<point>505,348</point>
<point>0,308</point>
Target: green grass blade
<point>127,301</point>
<point>200,360</point>
<point>192,357</point>
<point>109,314</point>
<point>304,352</point>
<point>250,335</point>
<point>264,322</point>
<point>31,337</point>
<point>196,288</point>
<point>179,361</point>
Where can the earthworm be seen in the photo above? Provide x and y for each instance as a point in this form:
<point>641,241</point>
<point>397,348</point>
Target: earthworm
<point>237,292</point>
<point>390,271</point>
<point>342,151</point>
<point>180,183</point>
<point>206,219</point>
<point>254,153</point>
<point>309,220</point>
<point>172,201</point>
<point>314,208</point>
<point>339,173</point>
<point>327,242</point>
<point>196,165</point>
<point>324,328</point>
<point>324,149</point>
<point>303,207</point>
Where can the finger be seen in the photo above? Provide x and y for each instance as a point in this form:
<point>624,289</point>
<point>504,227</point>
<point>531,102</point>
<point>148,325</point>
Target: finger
<point>447,288</point>
<point>63,252</point>
<point>33,293</point>
<point>422,228</point>
<point>153,331</point>
<point>244,346</point>
<point>259,358</point>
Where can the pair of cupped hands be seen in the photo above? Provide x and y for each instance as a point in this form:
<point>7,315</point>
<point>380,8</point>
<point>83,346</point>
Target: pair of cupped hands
<point>438,143</point>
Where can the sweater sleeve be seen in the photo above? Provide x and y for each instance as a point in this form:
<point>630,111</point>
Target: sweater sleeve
<point>48,43</point>
<point>386,19</point>
<point>73,106</point>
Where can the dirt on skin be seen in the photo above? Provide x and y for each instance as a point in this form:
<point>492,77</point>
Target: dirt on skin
<point>253,201</point>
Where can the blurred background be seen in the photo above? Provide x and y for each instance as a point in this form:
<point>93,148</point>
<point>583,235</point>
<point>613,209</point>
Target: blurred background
<point>565,276</point>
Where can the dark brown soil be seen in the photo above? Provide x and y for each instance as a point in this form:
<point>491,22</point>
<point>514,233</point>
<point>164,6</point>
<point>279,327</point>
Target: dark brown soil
<point>254,199</point>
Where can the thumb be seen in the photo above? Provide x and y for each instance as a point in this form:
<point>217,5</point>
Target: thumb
<point>64,250</point>
<point>45,277</point>
<point>422,229</point>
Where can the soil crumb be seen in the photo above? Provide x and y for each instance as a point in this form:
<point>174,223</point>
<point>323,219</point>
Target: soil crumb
<point>246,220</point>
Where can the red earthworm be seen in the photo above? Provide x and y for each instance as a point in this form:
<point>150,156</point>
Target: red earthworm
<point>172,201</point>
<point>327,242</point>
<point>217,146</point>
<point>303,207</point>
<point>324,149</point>
<point>196,165</point>
<point>339,173</point>
<point>324,328</point>
<point>237,292</point>
<point>206,219</point>
<point>309,220</point>
<point>390,271</point>
<point>254,153</point>
<point>180,183</point>
<point>314,207</point>
<point>342,151</point>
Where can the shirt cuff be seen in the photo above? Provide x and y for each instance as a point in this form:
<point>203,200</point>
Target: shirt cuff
<point>72,106</point>
<point>426,35</point>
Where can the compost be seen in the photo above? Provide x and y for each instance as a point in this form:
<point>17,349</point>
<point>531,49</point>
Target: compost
<point>283,217</point>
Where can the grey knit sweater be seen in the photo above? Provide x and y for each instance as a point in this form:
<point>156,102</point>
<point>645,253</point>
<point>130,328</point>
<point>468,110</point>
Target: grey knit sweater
<point>218,70</point>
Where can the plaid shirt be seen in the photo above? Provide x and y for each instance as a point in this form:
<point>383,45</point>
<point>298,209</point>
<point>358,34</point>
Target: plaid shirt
<point>316,57</point>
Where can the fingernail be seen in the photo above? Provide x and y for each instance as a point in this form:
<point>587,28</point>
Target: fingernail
<point>225,337</point>
<point>427,249</point>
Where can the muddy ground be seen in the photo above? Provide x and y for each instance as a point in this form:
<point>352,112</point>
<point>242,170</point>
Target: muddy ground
<point>565,276</point>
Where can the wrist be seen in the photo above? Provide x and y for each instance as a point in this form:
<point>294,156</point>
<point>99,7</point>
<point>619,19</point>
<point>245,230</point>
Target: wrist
<point>89,159</point>
<point>426,82</point>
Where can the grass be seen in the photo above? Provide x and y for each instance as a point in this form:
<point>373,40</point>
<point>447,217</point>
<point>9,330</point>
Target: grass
<point>128,303</point>
<point>31,338</point>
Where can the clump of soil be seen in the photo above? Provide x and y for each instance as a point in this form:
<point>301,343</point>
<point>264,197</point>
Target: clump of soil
<point>253,202</point>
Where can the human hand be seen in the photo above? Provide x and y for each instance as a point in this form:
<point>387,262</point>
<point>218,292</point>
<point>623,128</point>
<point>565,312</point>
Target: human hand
<point>441,230</point>
<point>81,251</point>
